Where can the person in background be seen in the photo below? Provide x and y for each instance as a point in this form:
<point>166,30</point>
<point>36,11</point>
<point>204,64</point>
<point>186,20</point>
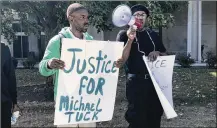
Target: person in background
<point>8,87</point>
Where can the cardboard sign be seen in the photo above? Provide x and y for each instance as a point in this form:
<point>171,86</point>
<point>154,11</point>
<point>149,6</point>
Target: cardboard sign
<point>161,72</point>
<point>87,86</point>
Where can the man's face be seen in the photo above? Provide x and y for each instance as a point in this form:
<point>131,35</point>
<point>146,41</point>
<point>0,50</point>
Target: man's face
<point>141,16</point>
<point>79,20</point>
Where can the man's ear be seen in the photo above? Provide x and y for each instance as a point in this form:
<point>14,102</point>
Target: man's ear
<point>70,18</point>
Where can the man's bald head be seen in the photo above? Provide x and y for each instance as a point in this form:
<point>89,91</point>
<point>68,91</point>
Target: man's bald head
<point>73,8</point>
<point>77,16</point>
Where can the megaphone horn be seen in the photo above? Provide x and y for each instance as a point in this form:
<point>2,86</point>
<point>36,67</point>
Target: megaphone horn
<point>122,16</point>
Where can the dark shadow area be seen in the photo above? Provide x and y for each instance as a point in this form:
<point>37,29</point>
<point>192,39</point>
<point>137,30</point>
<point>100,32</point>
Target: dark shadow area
<point>39,93</point>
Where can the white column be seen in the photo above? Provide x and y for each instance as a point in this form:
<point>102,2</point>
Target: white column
<point>194,30</point>
<point>189,33</point>
<point>199,30</point>
<point>194,41</point>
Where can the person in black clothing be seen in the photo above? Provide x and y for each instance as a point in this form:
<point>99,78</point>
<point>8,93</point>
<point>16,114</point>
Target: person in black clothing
<point>8,87</point>
<point>144,107</point>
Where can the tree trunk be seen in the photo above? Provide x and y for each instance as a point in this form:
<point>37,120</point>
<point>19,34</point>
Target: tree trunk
<point>40,52</point>
<point>48,36</point>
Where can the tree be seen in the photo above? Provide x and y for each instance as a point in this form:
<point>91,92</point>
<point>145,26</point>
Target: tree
<point>50,16</point>
<point>161,12</point>
<point>7,18</point>
<point>39,23</point>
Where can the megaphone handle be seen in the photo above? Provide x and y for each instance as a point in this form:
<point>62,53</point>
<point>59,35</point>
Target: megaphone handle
<point>134,27</point>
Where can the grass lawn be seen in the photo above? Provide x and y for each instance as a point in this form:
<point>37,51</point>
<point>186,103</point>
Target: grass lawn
<point>194,95</point>
<point>194,86</point>
<point>213,73</point>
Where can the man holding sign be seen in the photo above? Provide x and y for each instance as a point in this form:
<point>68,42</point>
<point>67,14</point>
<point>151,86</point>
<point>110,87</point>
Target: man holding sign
<point>144,108</point>
<point>77,16</point>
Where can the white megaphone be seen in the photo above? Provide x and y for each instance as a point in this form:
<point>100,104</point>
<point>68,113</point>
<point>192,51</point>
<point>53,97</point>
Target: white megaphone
<point>122,16</point>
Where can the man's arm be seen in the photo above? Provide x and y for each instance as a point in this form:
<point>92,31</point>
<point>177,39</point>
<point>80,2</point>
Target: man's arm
<point>122,37</point>
<point>52,51</point>
<point>126,51</point>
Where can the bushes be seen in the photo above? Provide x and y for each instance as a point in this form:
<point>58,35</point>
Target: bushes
<point>211,60</point>
<point>30,62</point>
<point>185,60</point>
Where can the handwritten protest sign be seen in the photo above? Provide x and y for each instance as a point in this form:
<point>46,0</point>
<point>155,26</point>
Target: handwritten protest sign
<point>161,72</point>
<point>87,85</point>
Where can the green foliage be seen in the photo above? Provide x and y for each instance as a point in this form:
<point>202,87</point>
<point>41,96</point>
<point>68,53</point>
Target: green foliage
<point>50,16</point>
<point>7,18</point>
<point>185,60</point>
<point>211,60</point>
<point>161,12</point>
<point>101,13</point>
<point>36,17</point>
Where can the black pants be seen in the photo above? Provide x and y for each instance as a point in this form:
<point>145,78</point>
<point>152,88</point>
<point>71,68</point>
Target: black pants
<point>144,107</point>
<point>6,114</point>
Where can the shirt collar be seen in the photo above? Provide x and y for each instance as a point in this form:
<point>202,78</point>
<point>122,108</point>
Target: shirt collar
<point>73,36</point>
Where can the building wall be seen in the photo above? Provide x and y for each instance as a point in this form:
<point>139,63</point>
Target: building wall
<point>111,35</point>
<point>209,25</point>
<point>33,44</point>
<point>175,38</point>
<point>93,32</point>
